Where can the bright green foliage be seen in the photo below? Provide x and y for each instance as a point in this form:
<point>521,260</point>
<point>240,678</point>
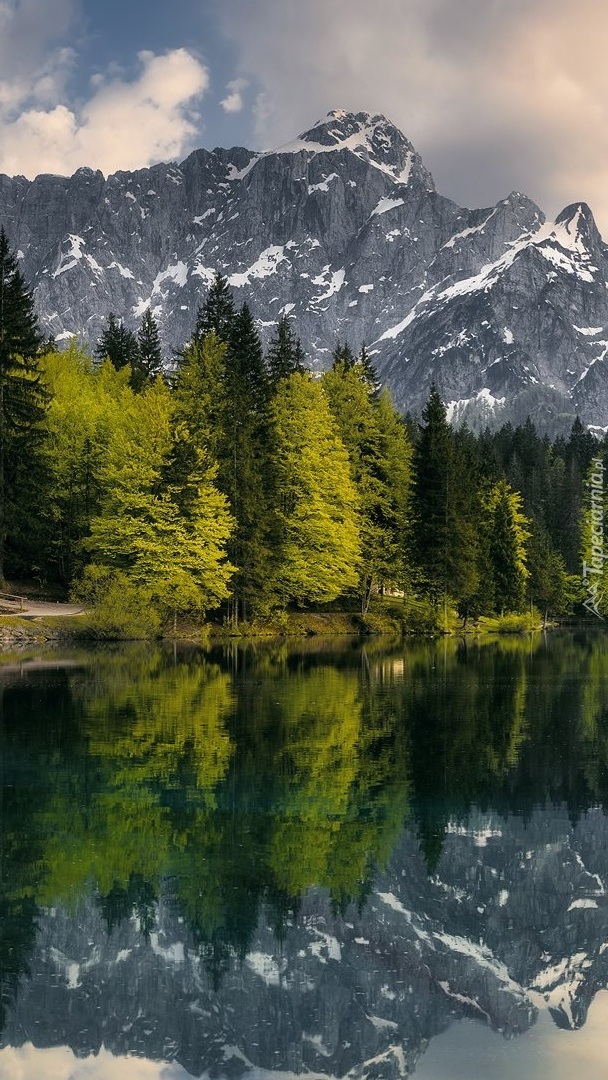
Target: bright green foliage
<point>178,561</point>
<point>85,411</point>
<point>316,504</point>
<point>285,353</point>
<point>149,361</point>
<point>22,405</point>
<point>507,535</point>
<point>380,457</point>
<point>218,312</point>
<point>199,390</point>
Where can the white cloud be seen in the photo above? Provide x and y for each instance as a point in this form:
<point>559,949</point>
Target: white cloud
<point>495,95</point>
<point>233,102</point>
<point>123,125</point>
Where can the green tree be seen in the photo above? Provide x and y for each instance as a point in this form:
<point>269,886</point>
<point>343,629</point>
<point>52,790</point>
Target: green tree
<point>444,538</point>
<point>379,454</point>
<point>316,505</point>
<point>149,362</point>
<point>507,539</point>
<point>175,559</point>
<point>118,345</point>
<point>285,353</point>
<point>199,390</point>
<point>86,404</point>
<point>217,313</point>
<point>244,462</point>
<point>22,399</point>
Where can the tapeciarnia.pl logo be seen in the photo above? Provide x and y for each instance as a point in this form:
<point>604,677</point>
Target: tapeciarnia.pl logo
<point>593,570</point>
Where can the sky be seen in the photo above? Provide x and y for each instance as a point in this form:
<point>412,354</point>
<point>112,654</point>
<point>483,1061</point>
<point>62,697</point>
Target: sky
<point>497,95</point>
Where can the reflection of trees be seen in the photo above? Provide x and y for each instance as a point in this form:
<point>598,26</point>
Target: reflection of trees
<point>243,781</point>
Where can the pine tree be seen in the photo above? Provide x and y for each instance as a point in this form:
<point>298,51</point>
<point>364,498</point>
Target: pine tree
<point>368,372</point>
<point>285,353</point>
<point>244,459</point>
<point>507,547</point>
<point>149,361</point>
<point>444,541</point>
<point>343,354</point>
<point>218,312</point>
<point>22,399</point>
<point>118,345</point>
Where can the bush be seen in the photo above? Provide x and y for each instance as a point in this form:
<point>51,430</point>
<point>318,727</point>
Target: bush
<point>118,609</point>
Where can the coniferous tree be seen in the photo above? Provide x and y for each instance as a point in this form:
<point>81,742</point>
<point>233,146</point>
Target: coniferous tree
<point>118,345</point>
<point>444,543</point>
<point>149,362</point>
<point>379,454</point>
<point>217,313</point>
<point>368,372</point>
<point>244,461</point>
<point>22,398</point>
<point>285,353</point>
<point>343,354</point>
<point>507,535</point>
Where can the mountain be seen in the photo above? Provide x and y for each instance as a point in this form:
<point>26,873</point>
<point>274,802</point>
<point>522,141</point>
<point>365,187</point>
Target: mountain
<point>342,229</point>
<point>512,925</point>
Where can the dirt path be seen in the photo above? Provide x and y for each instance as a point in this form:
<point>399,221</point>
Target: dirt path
<point>37,608</point>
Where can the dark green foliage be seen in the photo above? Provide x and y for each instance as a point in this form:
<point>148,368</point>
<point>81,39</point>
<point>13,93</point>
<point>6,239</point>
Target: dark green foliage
<point>369,374</point>
<point>149,362</point>
<point>444,507</point>
<point>119,346</point>
<point>217,313</point>
<point>285,353</point>
<point>343,354</point>
<point>244,462</point>
<point>22,408</point>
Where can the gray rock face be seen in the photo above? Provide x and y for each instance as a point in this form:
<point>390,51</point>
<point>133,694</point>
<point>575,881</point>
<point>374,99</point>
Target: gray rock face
<point>343,230</point>
<point>514,921</point>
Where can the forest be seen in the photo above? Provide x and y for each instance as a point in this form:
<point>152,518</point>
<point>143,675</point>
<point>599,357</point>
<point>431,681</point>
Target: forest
<point>230,482</point>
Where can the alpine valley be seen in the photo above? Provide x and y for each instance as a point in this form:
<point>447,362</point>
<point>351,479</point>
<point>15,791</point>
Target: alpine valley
<point>343,230</point>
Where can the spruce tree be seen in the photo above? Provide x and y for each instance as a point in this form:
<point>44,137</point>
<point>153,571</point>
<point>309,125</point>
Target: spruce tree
<point>343,354</point>
<point>118,345</point>
<point>22,399</point>
<point>369,374</point>
<point>285,353</point>
<point>149,361</point>
<point>244,460</point>
<point>218,312</point>
<point>444,541</point>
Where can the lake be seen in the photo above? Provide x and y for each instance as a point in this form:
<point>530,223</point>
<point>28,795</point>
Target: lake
<point>374,861</point>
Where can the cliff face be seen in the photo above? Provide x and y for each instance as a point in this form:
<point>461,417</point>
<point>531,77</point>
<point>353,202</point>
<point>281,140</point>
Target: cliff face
<point>514,920</point>
<point>343,229</point>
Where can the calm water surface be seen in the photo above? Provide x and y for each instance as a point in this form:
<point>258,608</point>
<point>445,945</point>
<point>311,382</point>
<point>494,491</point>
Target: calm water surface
<point>316,858</point>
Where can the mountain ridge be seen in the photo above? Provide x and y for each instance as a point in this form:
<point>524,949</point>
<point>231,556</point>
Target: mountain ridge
<point>343,230</point>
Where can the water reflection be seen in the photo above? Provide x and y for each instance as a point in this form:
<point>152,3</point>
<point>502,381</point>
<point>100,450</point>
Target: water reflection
<point>309,857</point>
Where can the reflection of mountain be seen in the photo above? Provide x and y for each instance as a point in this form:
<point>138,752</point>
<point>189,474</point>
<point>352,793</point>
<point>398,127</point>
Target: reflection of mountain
<point>204,860</point>
<point>512,907</point>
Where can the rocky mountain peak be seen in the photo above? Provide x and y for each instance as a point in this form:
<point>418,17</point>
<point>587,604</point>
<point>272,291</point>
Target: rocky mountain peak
<point>577,226</point>
<point>372,138</point>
